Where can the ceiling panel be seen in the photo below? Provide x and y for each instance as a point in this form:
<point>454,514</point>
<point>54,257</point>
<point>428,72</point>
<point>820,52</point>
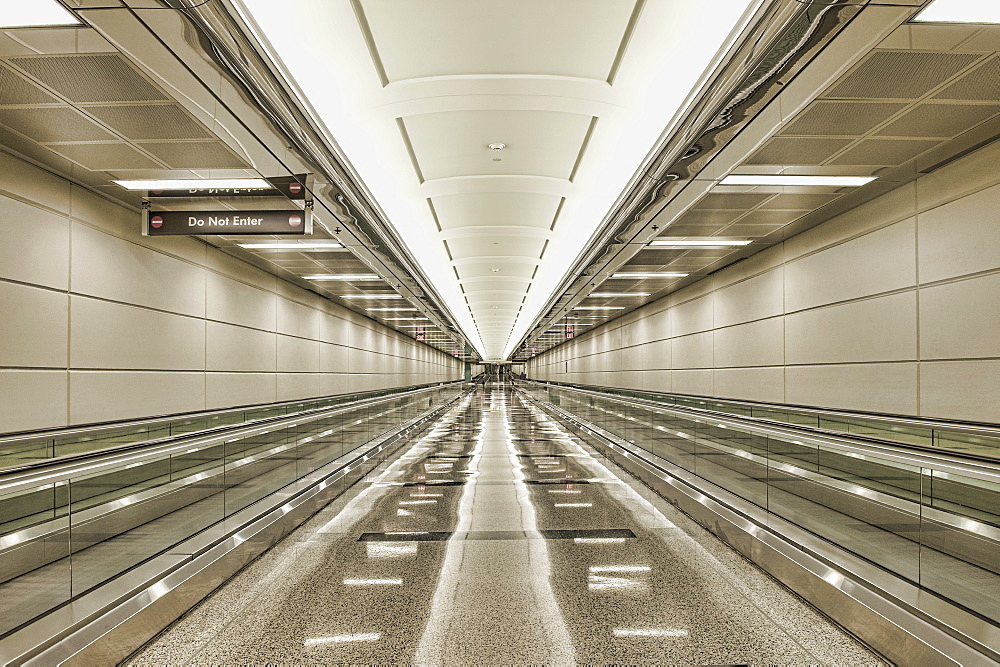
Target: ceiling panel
<point>495,246</point>
<point>456,143</point>
<point>427,38</point>
<point>54,124</point>
<point>496,208</point>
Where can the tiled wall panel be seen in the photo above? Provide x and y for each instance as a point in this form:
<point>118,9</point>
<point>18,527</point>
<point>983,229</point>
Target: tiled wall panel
<point>100,323</point>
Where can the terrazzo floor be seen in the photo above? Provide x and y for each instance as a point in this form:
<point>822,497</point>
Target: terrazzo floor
<point>499,538</point>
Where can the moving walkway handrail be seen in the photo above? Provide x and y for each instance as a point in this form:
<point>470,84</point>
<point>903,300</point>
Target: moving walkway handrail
<point>111,427</point>
<point>981,467</point>
<point>971,428</point>
<point>49,471</point>
<point>981,430</point>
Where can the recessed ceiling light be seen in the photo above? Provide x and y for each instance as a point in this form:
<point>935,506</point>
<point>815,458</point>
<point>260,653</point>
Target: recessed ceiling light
<point>699,243</point>
<point>304,247</point>
<point>616,294</point>
<point>651,274</point>
<point>390,309</point>
<point>599,308</point>
<point>961,11</point>
<point>783,179</point>
<point>196,184</point>
<point>370,296</point>
<point>343,276</point>
<point>495,270</point>
<point>497,147</point>
<point>34,13</point>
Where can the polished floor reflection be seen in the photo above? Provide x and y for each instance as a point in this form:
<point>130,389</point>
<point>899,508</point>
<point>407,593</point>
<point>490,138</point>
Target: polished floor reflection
<point>499,538</point>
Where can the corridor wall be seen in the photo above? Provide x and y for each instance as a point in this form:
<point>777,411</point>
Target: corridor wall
<point>100,323</point>
<point>892,307</point>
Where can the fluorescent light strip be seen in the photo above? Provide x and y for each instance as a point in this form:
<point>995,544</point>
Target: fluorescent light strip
<point>961,11</point>
<point>407,319</point>
<point>197,184</point>
<point>370,296</point>
<point>657,274</point>
<point>316,245</point>
<point>390,309</point>
<point>617,294</point>
<point>33,14</point>
<point>599,308</point>
<point>782,179</point>
<point>342,276</point>
<point>699,243</point>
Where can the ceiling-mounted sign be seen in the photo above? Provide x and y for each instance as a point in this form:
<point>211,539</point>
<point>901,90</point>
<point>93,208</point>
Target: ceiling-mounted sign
<point>569,330</point>
<point>420,333</point>
<point>292,187</point>
<point>229,223</point>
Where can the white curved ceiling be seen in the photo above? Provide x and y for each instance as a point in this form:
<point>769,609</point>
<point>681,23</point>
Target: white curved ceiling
<point>413,92</point>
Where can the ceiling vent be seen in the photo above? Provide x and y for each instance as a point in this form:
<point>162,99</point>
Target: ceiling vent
<point>16,90</point>
<point>939,120</point>
<point>884,152</point>
<point>842,119</point>
<point>904,75</point>
<point>798,152</point>
<point>196,155</point>
<point>90,78</point>
<point>983,83</point>
<point>54,124</point>
<point>149,121</point>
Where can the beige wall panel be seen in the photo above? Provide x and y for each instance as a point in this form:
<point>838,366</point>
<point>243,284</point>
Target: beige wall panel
<point>878,262</point>
<point>41,254</point>
<point>33,184</point>
<point>890,388</point>
<point>298,355</point>
<point>754,299</point>
<point>225,390</point>
<point>295,319</point>
<point>333,329</point>
<point>334,358</point>
<point>694,351</point>
<point>960,237</point>
<point>331,384</point>
<point>692,316</point>
<point>880,329</point>
<point>238,303</point>
<point>892,207</point>
<point>33,399</point>
<point>961,319</point>
<point>33,327</point>
<point>108,267</point>
<point>963,177</point>
<point>967,390</point>
<point>632,358</point>
<point>237,269</point>
<point>292,386</point>
<point>659,325</point>
<point>361,338</point>
<point>759,343</point>
<point>115,336</point>
<point>658,355</point>
<point>700,383</point>
<point>660,381</point>
<point>751,384</point>
<point>110,395</point>
<point>233,348</point>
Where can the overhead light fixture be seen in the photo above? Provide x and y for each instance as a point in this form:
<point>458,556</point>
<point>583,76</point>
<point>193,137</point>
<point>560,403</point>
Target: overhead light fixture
<point>389,309</point>
<point>281,245</point>
<point>617,294</point>
<point>599,308</point>
<point>651,274</point>
<point>197,184</point>
<point>707,242</point>
<point>961,11</point>
<point>34,14</point>
<point>783,179</point>
<point>343,276</point>
<point>370,296</point>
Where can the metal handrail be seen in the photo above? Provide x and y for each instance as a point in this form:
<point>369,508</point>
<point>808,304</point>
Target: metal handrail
<point>69,431</point>
<point>70,464</point>
<point>967,428</point>
<point>981,467</point>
